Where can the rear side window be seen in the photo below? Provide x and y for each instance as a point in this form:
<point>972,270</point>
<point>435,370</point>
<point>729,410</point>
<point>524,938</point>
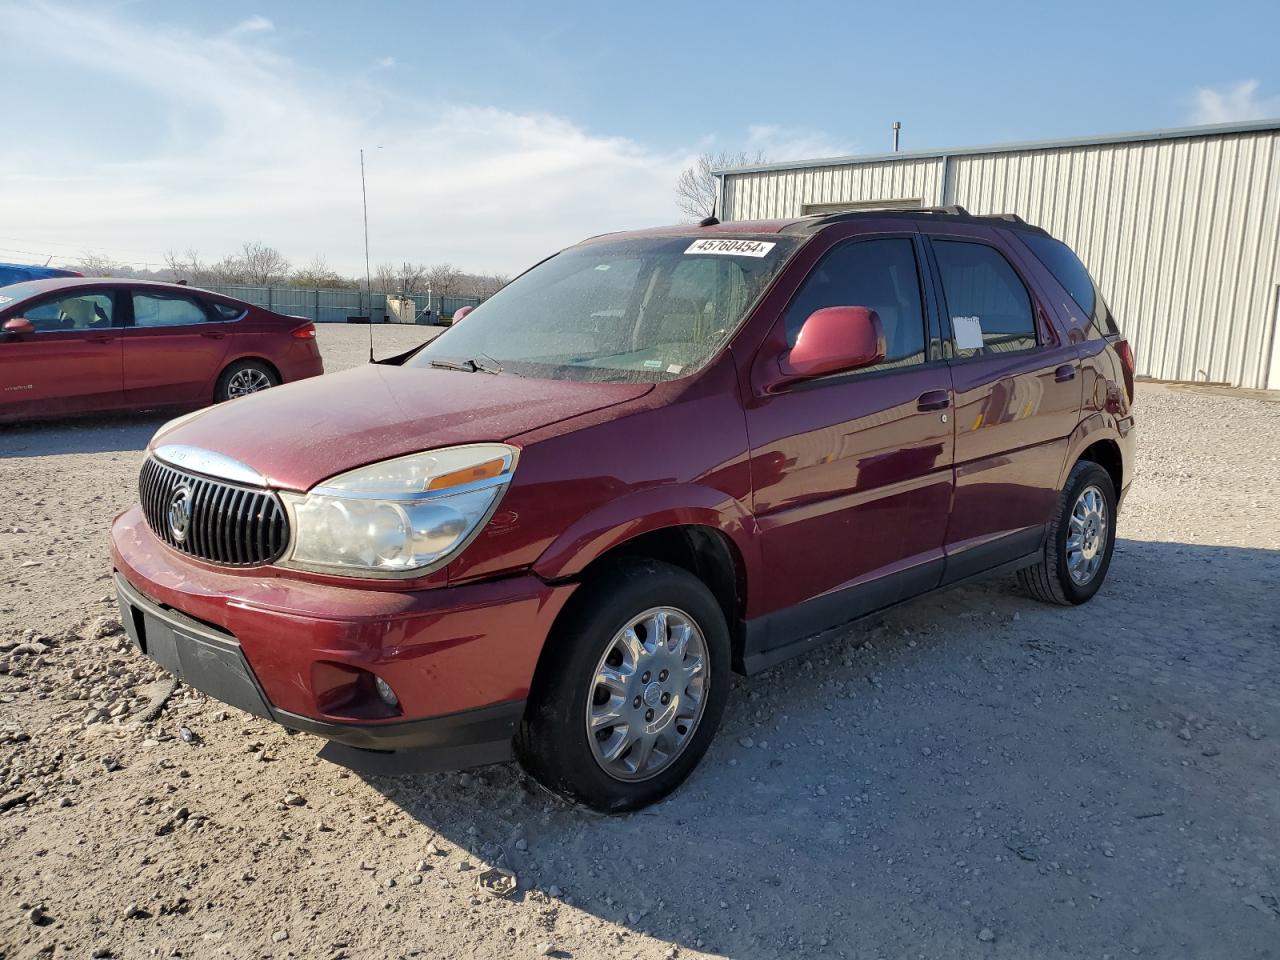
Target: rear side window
<point>166,310</point>
<point>880,274</point>
<point>1067,269</point>
<point>989,306</point>
<point>225,311</point>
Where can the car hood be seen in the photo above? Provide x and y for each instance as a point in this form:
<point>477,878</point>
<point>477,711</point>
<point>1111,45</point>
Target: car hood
<point>299,434</point>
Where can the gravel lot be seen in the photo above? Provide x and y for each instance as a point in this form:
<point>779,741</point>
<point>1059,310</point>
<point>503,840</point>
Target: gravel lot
<point>973,775</point>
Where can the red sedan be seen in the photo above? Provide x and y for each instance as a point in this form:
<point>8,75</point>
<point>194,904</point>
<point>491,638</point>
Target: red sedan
<point>75,345</point>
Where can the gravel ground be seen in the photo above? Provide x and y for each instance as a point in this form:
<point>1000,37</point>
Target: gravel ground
<point>972,775</point>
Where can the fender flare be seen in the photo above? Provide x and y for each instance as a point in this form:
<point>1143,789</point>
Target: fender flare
<point>645,511</point>
<point>1097,426</point>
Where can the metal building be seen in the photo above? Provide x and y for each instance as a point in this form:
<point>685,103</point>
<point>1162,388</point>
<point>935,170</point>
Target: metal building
<point>1180,228</point>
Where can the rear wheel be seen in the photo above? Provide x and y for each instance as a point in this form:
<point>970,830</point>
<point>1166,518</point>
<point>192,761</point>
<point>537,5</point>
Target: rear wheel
<point>631,690</point>
<point>243,378</point>
<point>1082,536</point>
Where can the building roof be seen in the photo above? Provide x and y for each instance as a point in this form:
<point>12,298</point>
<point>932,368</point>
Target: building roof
<point>1173,133</point>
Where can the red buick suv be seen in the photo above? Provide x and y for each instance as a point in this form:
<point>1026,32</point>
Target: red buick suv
<point>654,458</point>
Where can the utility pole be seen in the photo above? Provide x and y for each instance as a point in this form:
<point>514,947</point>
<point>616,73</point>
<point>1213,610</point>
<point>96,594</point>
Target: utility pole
<point>896,127</point>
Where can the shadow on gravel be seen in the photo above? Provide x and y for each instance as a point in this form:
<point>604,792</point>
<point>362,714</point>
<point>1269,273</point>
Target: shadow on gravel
<point>969,768</point>
<point>103,433</point>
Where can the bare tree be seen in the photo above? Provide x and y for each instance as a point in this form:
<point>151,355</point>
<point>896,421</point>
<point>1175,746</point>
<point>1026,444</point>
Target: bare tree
<point>318,273</point>
<point>98,265</point>
<point>446,280</point>
<point>483,285</point>
<point>697,189</point>
<point>261,265</point>
<point>405,278</point>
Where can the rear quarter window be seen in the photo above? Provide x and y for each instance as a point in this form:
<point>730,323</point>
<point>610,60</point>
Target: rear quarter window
<point>1067,269</point>
<point>225,311</point>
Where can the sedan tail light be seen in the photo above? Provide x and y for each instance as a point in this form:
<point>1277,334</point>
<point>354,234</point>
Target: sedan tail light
<point>305,332</point>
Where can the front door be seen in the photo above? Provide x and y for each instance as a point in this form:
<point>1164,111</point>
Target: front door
<point>1018,398</point>
<point>852,473</point>
<point>70,364</point>
<point>173,350</point>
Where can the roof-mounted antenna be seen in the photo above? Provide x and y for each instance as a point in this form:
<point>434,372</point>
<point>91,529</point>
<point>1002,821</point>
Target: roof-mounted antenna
<point>368,278</point>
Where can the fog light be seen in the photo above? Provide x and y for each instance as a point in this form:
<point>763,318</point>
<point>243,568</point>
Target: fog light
<point>385,693</point>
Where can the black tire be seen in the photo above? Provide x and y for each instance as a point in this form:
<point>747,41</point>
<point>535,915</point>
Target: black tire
<point>1050,579</point>
<point>552,740</point>
<point>254,369</point>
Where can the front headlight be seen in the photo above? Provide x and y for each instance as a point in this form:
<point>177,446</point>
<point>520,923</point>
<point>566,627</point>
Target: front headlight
<point>401,517</point>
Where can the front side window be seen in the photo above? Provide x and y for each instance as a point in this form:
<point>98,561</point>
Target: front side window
<point>989,306</point>
<point>166,310</point>
<point>880,274</point>
<point>83,311</point>
<point>639,309</point>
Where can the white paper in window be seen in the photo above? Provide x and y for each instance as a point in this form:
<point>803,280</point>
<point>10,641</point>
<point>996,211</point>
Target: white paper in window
<point>968,332</point>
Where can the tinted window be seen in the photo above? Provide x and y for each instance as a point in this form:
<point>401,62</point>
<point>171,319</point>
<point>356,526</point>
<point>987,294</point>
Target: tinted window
<point>225,311</point>
<point>880,274</point>
<point>1071,273</point>
<point>989,307</point>
<point>166,310</point>
<point>84,311</point>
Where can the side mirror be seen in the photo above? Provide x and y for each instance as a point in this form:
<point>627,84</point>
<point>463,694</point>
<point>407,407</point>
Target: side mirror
<point>461,313</point>
<point>18,327</point>
<point>834,340</point>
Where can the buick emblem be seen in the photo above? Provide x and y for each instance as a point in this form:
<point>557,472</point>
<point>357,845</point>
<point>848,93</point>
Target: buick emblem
<point>180,513</point>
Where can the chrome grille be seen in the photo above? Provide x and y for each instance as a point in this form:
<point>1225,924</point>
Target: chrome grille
<point>226,522</point>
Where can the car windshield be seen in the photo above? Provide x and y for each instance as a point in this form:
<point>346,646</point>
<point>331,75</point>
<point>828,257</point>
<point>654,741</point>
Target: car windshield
<point>639,309</point>
<point>12,293</point>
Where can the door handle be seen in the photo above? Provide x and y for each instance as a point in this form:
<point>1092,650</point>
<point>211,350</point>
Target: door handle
<point>933,400</point>
<point>1064,373</point>
<point>212,335</point>
<point>100,338</point>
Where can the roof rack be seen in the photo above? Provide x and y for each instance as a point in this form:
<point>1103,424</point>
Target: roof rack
<point>815,221</point>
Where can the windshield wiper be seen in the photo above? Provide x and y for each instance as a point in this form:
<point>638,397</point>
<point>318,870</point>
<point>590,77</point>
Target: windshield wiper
<point>486,364</point>
<point>482,364</point>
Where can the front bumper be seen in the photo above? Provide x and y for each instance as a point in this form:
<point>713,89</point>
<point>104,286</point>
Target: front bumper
<point>460,659</point>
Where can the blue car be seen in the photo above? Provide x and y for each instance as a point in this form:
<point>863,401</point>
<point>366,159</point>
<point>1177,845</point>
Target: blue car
<point>20,272</point>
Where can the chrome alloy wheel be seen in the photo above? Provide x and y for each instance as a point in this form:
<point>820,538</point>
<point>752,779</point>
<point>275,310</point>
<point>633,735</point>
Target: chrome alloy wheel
<point>1087,534</point>
<point>247,381</point>
<point>648,694</point>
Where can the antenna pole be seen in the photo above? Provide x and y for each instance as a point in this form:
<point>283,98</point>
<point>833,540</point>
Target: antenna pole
<point>896,127</point>
<point>368,277</point>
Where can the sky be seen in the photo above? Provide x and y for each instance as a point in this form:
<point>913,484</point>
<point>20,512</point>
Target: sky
<point>496,133</point>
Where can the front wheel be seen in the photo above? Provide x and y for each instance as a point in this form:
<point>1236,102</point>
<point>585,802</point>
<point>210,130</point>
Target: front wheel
<point>243,378</point>
<point>1082,536</point>
<point>631,688</point>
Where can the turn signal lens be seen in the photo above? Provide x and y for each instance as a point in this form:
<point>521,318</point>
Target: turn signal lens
<point>481,471</point>
<point>305,332</point>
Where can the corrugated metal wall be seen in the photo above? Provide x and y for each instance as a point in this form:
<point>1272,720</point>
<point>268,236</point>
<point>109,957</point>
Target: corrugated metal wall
<point>785,193</point>
<point>1182,235</point>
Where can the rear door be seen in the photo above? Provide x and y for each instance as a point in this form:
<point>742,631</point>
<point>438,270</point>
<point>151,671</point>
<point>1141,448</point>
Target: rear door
<point>173,349</point>
<point>71,363</point>
<point>1017,392</point>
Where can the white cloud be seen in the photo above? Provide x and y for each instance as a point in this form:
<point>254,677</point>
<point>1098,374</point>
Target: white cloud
<point>254,146</point>
<point>783,143</point>
<point>255,24</point>
<point>1233,104</point>
<point>386,62</point>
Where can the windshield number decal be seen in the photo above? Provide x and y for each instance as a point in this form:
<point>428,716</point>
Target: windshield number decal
<point>732,248</point>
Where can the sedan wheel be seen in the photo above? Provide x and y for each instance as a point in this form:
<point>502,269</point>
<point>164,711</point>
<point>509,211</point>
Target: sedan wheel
<point>247,381</point>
